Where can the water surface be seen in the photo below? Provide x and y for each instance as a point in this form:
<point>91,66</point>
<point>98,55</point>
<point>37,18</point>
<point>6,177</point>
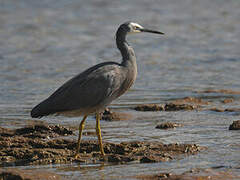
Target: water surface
<point>44,43</point>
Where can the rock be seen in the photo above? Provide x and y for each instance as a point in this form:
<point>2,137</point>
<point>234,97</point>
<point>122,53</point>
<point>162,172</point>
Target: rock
<point>152,159</point>
<point>232,110</point>
<point>187,103</point>
<point>115,116</point>
<point>115,158</point>
<point>149,107</point>
<point>228,100</point>
<point>166,107</point>
<point>167,125</point>
<point>235,125</point>
<point>179,107</point>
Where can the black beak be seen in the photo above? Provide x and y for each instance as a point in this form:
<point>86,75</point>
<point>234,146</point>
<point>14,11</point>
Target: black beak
<point>151,31</point>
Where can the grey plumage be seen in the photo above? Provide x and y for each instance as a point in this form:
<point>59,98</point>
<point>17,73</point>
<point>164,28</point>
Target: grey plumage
<point>94,89</point>
<point>86,91</point>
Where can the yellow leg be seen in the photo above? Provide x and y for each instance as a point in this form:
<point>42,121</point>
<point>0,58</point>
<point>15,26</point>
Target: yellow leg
<point>98,131</point>
<point>81,127</point>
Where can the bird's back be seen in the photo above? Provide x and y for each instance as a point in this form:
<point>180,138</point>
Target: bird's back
<point>91,90</point>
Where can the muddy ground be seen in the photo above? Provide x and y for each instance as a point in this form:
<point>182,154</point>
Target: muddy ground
<point>18,174</point>
<point>46,144</point>
<point>195,174</point>
<point>168,125</point>
<point>49,144</point>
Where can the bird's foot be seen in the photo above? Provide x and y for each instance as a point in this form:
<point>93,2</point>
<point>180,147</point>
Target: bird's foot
<point>77,155</point>
<point>103,154</point>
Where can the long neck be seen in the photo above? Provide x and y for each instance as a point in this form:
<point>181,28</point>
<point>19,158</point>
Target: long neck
<point>128,55</point>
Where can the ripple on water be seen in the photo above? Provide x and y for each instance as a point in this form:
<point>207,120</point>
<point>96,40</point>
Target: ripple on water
<point>43,44</point>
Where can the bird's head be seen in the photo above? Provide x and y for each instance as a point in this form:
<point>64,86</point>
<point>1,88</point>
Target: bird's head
<point>131,27</point>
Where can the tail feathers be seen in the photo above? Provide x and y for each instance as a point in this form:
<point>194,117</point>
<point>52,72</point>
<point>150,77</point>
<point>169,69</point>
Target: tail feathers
<point>41,110</point>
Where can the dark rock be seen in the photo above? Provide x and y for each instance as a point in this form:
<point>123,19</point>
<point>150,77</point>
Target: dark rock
<point>235,125</point>
<point>228,100</point>
<point>167,125</point>
<point>225,110</point>
<point>115,158</point>
<point>115,116</point>
<point>149,107</point>
<point>174,106</point>
<point>152,159</point>
<point>179,107</point>
<point>232,110</point>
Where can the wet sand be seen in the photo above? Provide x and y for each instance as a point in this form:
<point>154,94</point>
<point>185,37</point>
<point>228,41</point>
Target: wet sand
<point>38,145</point>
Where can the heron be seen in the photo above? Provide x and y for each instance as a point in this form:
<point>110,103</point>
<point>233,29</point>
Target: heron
<point>91,91</point>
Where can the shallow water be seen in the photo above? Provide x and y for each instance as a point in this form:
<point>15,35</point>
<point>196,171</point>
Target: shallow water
<point>44,43</point>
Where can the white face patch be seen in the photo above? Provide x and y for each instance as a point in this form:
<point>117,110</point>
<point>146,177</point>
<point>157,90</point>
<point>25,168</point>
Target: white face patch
<point>134,27</point>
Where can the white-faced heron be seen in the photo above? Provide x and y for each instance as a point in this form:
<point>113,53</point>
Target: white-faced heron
<point>95,88</point>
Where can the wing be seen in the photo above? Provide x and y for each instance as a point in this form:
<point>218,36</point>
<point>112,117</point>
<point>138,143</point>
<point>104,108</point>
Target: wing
<point>90,91</point>
<point>93,87</point>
